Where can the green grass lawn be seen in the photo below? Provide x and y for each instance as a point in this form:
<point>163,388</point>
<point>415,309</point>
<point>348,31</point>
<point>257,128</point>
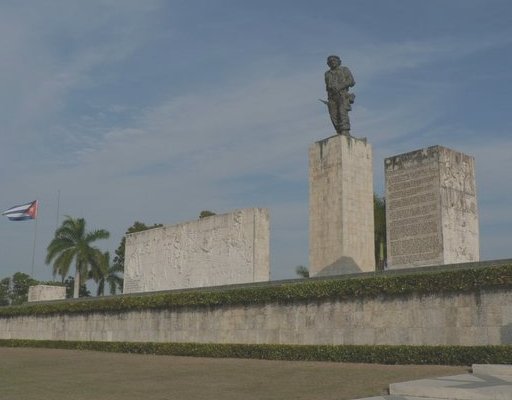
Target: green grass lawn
<point>75,375</point>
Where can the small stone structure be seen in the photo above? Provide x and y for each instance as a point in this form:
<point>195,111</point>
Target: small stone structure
<point>46,293</point>
<point>216,250</point>
<point>431,208</point>
<point>341,226</point>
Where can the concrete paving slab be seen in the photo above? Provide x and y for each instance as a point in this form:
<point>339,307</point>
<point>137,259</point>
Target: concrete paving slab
<point>492,369</point>
<point>457,387</point>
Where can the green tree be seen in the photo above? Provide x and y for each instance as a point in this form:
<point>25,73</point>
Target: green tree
<point>20,283</point>
<point>70,285</point>
<point>206,213</point>
<point>137,226</point>
<point>379,212</point>
<point>73,243</point>
<point>110,275</point>
<point>5,289</point>
<point>302,271</point>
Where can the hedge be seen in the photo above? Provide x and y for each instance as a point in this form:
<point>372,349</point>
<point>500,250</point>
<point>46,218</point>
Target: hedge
<point>419,355</point>
<point>440,282</point>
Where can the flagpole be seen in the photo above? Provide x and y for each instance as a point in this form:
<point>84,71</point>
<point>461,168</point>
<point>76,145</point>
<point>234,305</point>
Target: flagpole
<point>34,247</point>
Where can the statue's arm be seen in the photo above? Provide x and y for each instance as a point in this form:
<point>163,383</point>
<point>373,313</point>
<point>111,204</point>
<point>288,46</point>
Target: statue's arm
<point>349,78</point>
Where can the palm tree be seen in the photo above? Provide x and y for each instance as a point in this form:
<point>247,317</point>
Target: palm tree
<point>108,274</point>
<point>72,242</point>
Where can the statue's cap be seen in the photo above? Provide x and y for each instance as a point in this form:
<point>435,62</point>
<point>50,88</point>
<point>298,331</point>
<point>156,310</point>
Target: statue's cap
<point>335,57</point>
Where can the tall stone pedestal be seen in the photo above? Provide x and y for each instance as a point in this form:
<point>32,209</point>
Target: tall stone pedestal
<point>341,233</point>
<point>431,208</point>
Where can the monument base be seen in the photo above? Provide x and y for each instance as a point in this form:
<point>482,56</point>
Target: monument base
<point>341,226</point>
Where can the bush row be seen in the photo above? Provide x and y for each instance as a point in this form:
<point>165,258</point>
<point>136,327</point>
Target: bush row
<point>441,282</point>
<point>435,355</point>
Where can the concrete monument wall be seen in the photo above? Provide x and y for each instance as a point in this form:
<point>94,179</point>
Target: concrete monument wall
<point>482,317</point>
<point>216,250</point>
<point>46,292</point>
<point>341,226</point>
<point>431,208</point>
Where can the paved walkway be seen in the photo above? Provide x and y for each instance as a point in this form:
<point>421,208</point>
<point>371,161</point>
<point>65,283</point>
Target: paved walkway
<point>487,382</point>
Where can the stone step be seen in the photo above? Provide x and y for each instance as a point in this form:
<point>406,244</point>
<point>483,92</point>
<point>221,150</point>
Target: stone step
<point>492,369</point>
<point>457,387</point>
<point>393,397</point>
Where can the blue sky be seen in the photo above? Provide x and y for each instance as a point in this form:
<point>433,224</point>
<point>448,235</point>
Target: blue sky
<point>156,110</point>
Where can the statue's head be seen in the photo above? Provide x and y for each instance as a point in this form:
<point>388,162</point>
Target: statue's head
<point>333,61</point>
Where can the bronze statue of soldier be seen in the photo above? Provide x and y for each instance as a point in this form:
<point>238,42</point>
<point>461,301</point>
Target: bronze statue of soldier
<point>338,81</point>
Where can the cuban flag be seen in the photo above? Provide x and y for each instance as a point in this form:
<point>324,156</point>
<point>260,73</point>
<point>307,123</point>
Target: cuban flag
<point>22,212</point>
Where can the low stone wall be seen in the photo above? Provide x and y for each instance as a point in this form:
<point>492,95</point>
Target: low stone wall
<point>483,317</point>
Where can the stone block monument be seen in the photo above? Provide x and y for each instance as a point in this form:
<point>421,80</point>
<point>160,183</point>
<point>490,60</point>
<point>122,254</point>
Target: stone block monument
<point>431,208</point>
<point>216,250</point>
<point>46,293</point>
<point>341,226</point>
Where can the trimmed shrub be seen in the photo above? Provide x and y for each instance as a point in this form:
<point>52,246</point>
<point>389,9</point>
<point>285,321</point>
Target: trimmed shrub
<point>423,283</point>
<point>419,355</point>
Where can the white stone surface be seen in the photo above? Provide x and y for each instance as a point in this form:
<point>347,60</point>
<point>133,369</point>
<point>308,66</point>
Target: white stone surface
<point>431,208</point>
<point>46,293</point>
<point>217,250</point>
<point>495,382</point>
<point>458,387</point>
<point>492,369</point>
<point>341,226</point>
<point>397,398</point>
<point>459,209</point>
